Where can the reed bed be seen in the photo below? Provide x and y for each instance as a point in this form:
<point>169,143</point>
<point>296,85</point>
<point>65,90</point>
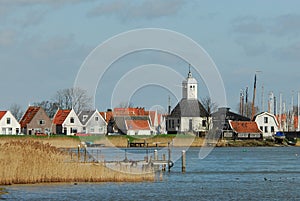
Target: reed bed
<point>29,161</point>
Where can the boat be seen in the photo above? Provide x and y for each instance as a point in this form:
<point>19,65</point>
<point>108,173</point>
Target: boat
<point>279,137</point>
<point>291,141</point>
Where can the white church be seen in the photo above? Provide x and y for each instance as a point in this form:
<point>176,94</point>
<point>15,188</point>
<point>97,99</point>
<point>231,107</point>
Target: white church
<point>189,115</point>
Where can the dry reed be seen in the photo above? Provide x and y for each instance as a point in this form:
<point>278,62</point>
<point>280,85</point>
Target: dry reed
<point>29,161</point>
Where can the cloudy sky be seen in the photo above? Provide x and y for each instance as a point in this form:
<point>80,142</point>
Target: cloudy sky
<point>43,43</point>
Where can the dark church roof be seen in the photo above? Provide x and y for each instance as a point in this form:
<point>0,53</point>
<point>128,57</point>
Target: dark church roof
<point>189,108</point>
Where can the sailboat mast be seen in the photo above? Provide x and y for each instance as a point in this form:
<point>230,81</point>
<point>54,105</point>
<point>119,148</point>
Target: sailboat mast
<point>254,94</point>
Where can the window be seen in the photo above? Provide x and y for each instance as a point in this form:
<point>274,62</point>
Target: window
<point>191,86</point>
<point>92,129</point>
<point>84,117</point>
<point>272,129</point>
<point>266,129</point>
<point>203,123</point>
<point>172,123</point>
<point>8,120</point>
<point>42,122</point>
<point>261,128</point>
<point>178,121</point>
<point>96,118</point>
<point>9,130</point>
<point>266,120</point>
<point>72,120</point>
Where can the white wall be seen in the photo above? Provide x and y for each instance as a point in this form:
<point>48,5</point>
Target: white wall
<point>196,124</point>
<point>9,129</point>
<point>96,127</point>
<point>272,122</point>
<point>75,126</point>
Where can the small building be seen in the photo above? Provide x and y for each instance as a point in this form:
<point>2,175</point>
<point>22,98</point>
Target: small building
<point>35,121</point>
<point>66,122</point>
<point>220,121</point>
<point>138,127</point>
<point>267,123</point>
<point>92,122</point>
<point>189,115</point>
<point>245,130</point>
<point>8,124</point>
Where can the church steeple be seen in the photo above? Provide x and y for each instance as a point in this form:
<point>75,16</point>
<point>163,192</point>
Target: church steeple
<point>189,86</point>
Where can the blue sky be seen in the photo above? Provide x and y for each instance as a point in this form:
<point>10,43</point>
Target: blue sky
<point>44,42</point>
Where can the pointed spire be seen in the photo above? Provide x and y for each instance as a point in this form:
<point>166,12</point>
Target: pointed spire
<point>189,74</point>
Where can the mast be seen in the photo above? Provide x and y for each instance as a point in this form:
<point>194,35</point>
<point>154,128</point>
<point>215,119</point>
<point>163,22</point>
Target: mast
<point>262,98</point>
<point>169,105</point>
<point>254,94</point>
<point>280,110</point>
<point>298,107</point>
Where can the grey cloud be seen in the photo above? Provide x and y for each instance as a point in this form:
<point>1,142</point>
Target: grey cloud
<point>146,9</point>
<point>290,52</point>
<point>251,46</point>
<point>288,24</point>
<point>7,37</point>
<point>248,25</point>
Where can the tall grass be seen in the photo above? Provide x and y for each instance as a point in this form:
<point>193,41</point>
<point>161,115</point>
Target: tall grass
<point>29,161</point>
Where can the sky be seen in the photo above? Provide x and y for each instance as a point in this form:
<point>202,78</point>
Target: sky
<point>43,44</point>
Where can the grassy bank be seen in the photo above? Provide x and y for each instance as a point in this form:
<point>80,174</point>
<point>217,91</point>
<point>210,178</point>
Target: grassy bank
<point>28,161</point>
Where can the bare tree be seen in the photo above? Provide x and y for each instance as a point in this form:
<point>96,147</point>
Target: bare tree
<point>125,105</point>
<point>17,111</point>
<point>49,107</point>
<point>210,107</point>
<point>75,98</point>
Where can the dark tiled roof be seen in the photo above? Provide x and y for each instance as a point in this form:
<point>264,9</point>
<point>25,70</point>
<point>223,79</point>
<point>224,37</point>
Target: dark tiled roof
<point>28,116</point>
<point>189,108</point>
<point>88,115</point>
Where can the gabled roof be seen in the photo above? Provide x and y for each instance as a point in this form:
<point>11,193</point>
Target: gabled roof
<point>152,117</point>
<point>2,113</point>
<point>137,125</point>
<point>189,108</point>
<point>60,116</point>
<point>28,116</point>
<point>244,126</point>
<point>84,116</point>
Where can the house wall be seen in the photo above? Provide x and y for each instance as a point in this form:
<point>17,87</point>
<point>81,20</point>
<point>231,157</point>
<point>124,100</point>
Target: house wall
<point>36,126</point>
<point>196,124</point>
<point>9,129</point>
<point>260,120</point>
<point>139,132</point>
<point>94,126</point>
<point>72,128</point>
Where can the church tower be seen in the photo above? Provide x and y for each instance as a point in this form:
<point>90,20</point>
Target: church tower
<point>189,87</point>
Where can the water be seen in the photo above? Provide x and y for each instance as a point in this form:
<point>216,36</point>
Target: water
<point>226,174</point>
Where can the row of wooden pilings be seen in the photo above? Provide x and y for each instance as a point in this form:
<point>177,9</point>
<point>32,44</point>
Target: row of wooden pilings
<point>169,162</point>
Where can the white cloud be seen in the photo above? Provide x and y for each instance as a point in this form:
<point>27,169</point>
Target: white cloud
<point>146,9</point>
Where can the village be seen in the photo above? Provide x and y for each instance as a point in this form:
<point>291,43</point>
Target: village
<point>189,116</point>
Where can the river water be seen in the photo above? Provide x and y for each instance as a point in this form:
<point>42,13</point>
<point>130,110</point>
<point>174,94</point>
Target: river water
<point>268,173</point>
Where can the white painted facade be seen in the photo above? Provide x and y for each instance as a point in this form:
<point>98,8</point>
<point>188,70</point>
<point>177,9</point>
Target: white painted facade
<point>9,124</point>
<point>72,124</point>
<point>138,132</point>
<point>267,123</point>
<point>190,87</point>
<point>95,125</point>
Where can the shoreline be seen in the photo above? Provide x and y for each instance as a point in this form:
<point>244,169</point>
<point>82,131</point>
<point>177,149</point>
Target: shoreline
<point>151,141</point>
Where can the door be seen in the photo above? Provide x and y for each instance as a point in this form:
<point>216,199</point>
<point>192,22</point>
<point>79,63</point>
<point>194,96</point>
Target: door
<point>190,125</point>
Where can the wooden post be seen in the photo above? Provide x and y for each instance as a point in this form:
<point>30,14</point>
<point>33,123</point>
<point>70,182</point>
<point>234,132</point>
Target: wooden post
<point>169,157</point>
<point>155,155</point>
<point>85,153</point>
<point>163,166</point>
<point>183,160</point>
<point>128,143</point>
<point>78,153</point>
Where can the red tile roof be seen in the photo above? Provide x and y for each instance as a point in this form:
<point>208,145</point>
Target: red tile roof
<point>2,113</point>
<point>137,125</point>
<point>28,116</point>
<point>245,126</point>
<point>60,116</point>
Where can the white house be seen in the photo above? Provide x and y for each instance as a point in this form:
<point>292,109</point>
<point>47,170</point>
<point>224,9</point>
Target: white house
<point>189,115</point>
<point>267,123</point>
<point>66,122</point>
<point>138,127</point>
<point>8,124</point>
<point>92,122</point>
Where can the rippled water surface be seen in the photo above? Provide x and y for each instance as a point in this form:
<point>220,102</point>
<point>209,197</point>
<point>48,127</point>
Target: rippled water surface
<point>226,174</point>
